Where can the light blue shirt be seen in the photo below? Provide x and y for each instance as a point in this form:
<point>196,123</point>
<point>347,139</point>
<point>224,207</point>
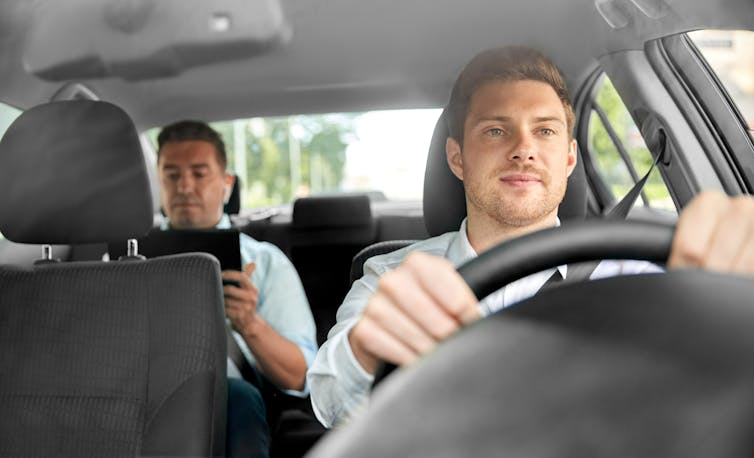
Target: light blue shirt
<point>282,300</point>
<point>340,386</point>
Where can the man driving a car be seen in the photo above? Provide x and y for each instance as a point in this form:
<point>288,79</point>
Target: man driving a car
<point>268,310</point>
<point>510,142</point>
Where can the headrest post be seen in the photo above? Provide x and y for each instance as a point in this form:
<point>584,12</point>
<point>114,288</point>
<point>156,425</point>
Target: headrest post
<point>46,256</point>
<point>133,248</point>
<point>132,251</point>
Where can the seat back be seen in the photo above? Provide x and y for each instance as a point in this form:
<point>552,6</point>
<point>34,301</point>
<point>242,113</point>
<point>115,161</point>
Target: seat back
<point>100,358</point>
<point>326,234</point>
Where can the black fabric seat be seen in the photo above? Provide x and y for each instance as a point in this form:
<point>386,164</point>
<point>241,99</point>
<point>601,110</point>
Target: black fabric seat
<point>326,234</point>
<point>445,201</point>
<point>100,358</point>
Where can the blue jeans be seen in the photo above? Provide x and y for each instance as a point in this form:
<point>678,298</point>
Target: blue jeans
<point>247,432</point>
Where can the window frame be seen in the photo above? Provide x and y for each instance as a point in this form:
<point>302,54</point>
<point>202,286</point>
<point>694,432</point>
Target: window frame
<point>604,198</point>
<point>647,89</point>
<point>593,106</point>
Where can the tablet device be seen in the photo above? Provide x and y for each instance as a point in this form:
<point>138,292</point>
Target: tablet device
<point>224,244</point>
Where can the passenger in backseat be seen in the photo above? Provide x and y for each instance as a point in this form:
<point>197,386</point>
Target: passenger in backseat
<point>268,312</point>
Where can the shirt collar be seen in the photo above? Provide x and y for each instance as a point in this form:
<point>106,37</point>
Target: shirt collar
<point>224,222</point>
<point>460,249</point>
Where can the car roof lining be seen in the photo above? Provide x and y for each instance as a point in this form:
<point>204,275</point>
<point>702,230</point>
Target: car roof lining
<point>353,56</point>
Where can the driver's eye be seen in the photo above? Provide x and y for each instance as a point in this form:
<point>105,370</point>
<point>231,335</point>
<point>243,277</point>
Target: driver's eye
<point>495,132</point>
<point>546,131</point>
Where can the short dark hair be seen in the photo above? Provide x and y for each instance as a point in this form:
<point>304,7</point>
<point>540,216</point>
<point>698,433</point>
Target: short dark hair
<point>509,63</point>
<point>188,130</point>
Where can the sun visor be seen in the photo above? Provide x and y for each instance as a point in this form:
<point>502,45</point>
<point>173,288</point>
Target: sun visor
<point>141,39</point>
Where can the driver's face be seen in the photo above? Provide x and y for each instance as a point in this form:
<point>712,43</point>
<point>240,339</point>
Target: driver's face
<point>516,154</point>
<point>193,184</point>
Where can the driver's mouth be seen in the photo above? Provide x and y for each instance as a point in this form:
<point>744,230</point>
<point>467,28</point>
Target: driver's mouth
<point>521,179</point>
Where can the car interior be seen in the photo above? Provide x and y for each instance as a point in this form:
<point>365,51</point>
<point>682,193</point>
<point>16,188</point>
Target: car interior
<point>663,93</point>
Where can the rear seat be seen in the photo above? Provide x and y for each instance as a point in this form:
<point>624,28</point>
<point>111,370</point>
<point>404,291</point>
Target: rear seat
<point>399,227</point>
<point>274,228</point>
<point>326,233</point>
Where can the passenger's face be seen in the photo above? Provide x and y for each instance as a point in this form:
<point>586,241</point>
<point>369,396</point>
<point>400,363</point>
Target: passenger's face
<point>193,185</point>
<point>516,154</point>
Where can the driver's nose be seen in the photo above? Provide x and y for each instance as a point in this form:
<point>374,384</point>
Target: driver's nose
<point>524,149</point>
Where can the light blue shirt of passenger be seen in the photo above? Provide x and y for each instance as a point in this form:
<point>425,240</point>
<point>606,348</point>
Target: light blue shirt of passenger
<point>282,301</point>
<point>340,386</point>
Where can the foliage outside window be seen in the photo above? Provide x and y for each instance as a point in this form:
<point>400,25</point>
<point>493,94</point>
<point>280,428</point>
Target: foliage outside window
<point>282,158</point>
<point>615,171</point>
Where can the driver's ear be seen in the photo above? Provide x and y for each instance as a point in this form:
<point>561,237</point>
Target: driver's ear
<point>573,156</point>
<point>453,155</point>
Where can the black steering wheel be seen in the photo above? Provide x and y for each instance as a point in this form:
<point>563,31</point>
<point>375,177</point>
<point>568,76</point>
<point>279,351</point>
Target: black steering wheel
<point>622,366</point>
<point>575,242</point>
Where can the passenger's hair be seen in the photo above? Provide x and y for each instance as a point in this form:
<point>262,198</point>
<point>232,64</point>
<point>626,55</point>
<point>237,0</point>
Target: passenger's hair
<point>183,131</point>
<point>510,63</point>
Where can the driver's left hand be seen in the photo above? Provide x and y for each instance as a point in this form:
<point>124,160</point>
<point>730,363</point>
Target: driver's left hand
<point>715,232</point>
<point>241,301</point>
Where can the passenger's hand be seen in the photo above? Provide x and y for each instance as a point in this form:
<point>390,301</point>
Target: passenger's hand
<point>241,301</point>
<point>415,307</point>
<point>715,232</point>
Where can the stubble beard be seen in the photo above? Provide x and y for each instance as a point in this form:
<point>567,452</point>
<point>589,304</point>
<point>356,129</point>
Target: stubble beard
<point>509,210</point>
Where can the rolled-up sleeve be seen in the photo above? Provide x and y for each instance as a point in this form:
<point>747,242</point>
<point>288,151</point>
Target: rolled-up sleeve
<point>282,300</point>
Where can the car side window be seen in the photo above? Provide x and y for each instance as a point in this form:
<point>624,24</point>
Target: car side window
<point>618,152</point>
<point>7,115</point>
<point>730,54</point>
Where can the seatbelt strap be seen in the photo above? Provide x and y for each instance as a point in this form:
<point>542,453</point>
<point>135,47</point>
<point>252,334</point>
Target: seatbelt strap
<point>583,271</point>
<point>239,359</point>
<point>621,209</point>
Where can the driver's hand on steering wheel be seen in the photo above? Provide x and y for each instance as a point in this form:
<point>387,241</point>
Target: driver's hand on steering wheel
<point>416,306</point>
<point>424,300</point>
<point>715,232</point>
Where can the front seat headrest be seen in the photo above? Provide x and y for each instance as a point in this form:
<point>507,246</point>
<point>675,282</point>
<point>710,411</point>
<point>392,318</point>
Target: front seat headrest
<point>73,172</point>
<point>444,198</point>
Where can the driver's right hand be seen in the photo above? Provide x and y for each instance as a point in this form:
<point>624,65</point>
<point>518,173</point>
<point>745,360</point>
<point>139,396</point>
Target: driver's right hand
<point>416,306</point>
